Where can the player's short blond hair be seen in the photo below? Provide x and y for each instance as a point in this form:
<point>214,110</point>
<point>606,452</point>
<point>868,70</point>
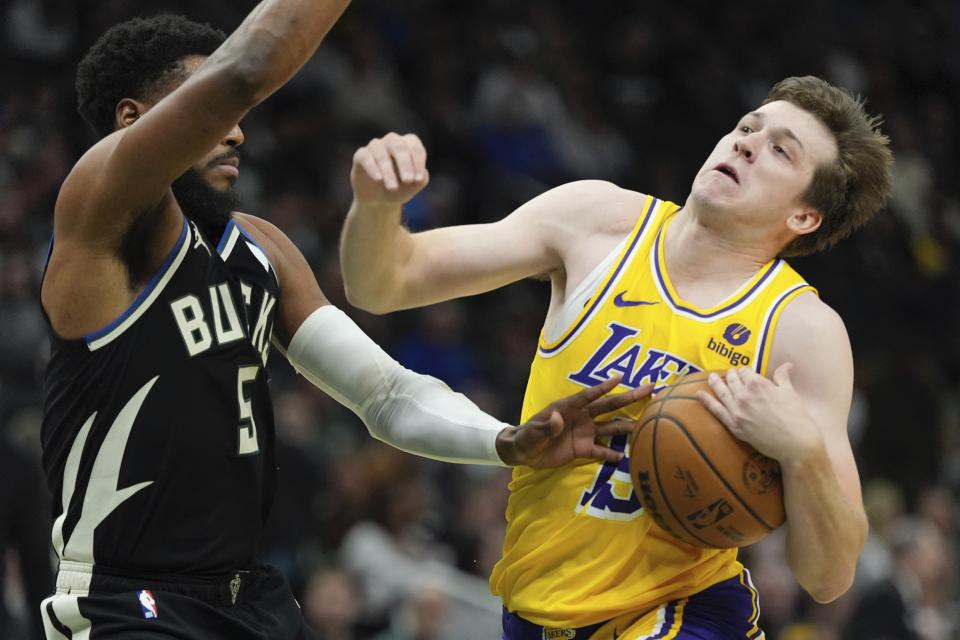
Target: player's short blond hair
<point>850,190</point>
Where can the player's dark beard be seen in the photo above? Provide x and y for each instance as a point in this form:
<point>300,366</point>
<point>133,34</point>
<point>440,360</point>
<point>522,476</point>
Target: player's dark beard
<point>208,208</point>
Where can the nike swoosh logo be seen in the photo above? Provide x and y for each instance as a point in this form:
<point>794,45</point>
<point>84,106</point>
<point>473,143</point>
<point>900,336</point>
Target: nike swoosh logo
<point>620,302</point>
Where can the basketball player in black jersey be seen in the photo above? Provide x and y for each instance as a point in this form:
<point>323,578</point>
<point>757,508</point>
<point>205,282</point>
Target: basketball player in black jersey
<point>162,304</point>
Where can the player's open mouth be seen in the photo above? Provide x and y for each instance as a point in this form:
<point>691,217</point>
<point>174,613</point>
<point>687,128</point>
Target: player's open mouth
<point>728,171</point>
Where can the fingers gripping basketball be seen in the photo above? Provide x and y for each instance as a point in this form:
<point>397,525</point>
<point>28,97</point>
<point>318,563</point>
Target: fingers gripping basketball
<point>698,481</point>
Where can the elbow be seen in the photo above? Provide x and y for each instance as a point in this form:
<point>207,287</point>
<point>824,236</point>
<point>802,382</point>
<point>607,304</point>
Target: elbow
<point>370,305</point>
<point>240,84</point>
<point>828,589</point>
<point>249,69</point>
<point>834,577</point>
<point>246,80</point>
<point>369,301</point>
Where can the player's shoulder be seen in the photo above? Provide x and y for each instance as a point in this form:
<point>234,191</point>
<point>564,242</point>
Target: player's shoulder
<point>280,249</point>
<point>594,203</point>
<point>809,327</point>
<point>270,238</point>
<point>582,193</point>
<point>257,227</point>
<point>808,310</point>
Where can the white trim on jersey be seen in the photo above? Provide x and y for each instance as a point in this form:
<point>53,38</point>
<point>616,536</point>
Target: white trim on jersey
<point>706,317</point>
<point>70,481</point>
<point>234,234</point>
<point>635,239</point>
<point>140,306</point>
<point>102,495</point>
<point>64,610</point>
<point>259,255</point>
<point>573,305</point>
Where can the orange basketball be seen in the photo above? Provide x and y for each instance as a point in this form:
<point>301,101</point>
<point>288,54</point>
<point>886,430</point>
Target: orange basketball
<point>698,481</point>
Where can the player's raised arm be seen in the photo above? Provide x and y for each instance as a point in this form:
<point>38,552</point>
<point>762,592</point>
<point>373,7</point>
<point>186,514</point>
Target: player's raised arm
<point>385,267</point>
<point>131,170</point>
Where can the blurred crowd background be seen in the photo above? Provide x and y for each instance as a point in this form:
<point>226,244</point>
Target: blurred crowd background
<point>512,98</point>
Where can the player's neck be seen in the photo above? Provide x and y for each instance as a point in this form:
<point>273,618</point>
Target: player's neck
<point>699,255</point>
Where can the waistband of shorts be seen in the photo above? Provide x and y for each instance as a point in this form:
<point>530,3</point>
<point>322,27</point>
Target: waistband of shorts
<point>83,579</point>
<point>516,628</point>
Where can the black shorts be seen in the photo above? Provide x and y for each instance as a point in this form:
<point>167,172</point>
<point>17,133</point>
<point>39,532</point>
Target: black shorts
<point>247,605</point>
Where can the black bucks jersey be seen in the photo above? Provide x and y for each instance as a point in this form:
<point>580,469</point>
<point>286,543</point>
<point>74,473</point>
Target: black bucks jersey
<point>158,429</point>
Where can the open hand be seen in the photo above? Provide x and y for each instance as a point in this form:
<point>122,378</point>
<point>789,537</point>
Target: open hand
<point>566,430</point>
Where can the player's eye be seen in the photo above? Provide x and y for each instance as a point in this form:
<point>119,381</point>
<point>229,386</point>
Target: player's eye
<point>746,128</point>
<point>779,149</point>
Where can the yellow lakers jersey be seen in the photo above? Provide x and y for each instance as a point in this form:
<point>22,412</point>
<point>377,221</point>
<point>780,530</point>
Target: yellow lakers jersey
<point>579,549</point>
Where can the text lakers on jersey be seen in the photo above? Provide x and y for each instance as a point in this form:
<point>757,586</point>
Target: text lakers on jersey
<point>579,549</point>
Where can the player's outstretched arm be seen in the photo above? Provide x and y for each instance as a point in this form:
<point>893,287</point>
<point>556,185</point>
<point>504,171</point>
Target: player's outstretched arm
<point>386,268</point>
<point>131,170</point>
<point>799,418</point>
<point>414,412</point>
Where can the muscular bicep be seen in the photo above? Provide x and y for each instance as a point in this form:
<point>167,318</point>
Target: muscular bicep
<point>131,170</point>
<point>453,262</point>
<point>539,237</point>
<point>813,338</point>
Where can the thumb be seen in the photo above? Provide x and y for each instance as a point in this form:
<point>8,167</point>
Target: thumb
<point>549,427</point>
<point>782,375</point>
<point>555,425</point>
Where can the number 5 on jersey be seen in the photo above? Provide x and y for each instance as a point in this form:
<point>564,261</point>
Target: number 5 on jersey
<point>248,444</point>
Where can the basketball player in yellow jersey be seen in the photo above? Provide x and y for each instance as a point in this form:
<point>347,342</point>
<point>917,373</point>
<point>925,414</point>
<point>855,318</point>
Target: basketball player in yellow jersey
<point>650,290</point>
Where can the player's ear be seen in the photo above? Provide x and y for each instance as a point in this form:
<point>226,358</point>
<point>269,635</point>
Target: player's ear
<point>805,220</point>
<point>128,111</point>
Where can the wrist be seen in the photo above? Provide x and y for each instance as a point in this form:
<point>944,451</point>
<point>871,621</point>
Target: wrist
<point>808,455</point>
<point>375,206</point>
<point>507,446</point>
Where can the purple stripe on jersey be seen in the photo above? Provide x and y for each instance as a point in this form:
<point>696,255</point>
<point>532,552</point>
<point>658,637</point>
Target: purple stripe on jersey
<point>666,290</point>
<point>769,322</point>
<point>90,337</point>
<point>610,280</point>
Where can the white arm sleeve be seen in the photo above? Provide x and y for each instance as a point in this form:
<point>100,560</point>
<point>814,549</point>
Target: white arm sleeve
<point>410,411</point>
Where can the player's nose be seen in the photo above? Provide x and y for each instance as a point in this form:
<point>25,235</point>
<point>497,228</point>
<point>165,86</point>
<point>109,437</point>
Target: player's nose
<point>235,138</point>
<point>746,147</point>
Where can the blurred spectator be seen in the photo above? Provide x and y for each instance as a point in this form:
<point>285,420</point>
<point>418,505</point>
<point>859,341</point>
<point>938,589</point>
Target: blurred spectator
<point>24,531</point>
<point>913,603</point>
<point>396,550</point>
<point>439,347</point>
<point>332,605</point>
<point>884,504</point>
<point>425,616</point>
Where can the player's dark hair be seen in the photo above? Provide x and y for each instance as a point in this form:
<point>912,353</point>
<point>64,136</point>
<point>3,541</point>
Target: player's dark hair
<point>138,59</point>
<point>850,190</point>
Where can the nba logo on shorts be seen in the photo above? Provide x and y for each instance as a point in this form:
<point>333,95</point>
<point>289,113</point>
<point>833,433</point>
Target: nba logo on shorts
<point>148,604</point>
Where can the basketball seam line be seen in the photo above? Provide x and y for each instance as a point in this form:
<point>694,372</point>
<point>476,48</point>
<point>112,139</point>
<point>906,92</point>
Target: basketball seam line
<point>656,471</point>
<point>663,494</point>
<point>717,472</point>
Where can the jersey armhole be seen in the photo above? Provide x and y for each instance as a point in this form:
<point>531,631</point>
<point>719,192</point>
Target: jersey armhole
<point>138,307</point>
<point>548,348</point>
<point>770,321</point>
